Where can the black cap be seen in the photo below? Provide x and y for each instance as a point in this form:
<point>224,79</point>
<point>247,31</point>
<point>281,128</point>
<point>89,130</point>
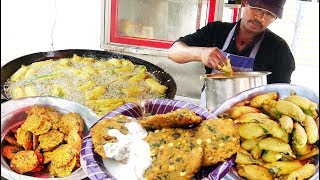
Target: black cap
<point>274,6</point>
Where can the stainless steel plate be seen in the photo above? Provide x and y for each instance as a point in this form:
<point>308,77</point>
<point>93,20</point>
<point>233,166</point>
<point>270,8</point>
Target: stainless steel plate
<point>13,113</point>
<point>284,91</point>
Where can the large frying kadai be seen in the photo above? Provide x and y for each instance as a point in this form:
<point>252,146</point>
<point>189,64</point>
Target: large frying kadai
<point>10,68</point>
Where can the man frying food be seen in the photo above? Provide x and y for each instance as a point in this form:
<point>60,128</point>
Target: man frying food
<point>248,43</point>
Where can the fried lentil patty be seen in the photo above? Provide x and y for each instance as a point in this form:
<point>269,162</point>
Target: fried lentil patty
<point>219,138</point>
<point>175,154</point>
<point>175,119</point>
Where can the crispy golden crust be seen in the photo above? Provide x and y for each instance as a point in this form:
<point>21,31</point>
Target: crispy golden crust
<point>46,112</point>
<point>41,133</point>
<point>171,151</point>
<point>62,155</point>
<point>32,122</point>
<point>220,139</point>
<point>9,151</point>
<point>50,140</point>
<point>47,157</point>
<point>11,140</point>
<point>55,117</point>
<point>35,141</point>
<point>24,138</point>
<point>69,122</point>
<point>63,171</point>
<point>99,132</point>
<point>24,161</point>
<point>74,140</point>
<point>178,118</point>
<point>44,127</point>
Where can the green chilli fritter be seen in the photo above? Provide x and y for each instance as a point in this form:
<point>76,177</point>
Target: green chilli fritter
<point>219,138</point>
<point>175,154</point>
<point>175,119</point>
<point>99,132</point>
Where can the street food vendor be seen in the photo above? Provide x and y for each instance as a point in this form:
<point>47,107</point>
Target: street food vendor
<point>248,43</point>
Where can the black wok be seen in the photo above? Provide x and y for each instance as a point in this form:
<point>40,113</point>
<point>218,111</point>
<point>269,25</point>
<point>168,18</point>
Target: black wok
<point>8,69</point>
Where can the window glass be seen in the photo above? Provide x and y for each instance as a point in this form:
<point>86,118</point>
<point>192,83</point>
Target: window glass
<point>160,19</point>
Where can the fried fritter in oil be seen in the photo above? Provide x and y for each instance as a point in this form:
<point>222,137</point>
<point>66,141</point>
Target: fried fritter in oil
<point>178,118</point>
<point>220,139</point>
<point>24,138</point>
<point>175,154</point>
<point>24,161</point>
<point>50,140</point>
<point>69,122</point>
<point>99,132</point>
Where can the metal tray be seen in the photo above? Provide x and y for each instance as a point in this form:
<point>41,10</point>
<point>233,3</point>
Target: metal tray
<point>284,90</point>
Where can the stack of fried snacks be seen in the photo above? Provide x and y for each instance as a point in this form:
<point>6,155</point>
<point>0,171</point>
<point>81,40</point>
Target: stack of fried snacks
<point>46,141</point>
<point>180,142</point>
<point>278,136</point>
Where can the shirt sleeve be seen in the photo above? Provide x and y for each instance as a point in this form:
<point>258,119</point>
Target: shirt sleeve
<point>283,66</point>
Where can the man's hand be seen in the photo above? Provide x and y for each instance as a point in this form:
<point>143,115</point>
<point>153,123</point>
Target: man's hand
<point>212,57</point>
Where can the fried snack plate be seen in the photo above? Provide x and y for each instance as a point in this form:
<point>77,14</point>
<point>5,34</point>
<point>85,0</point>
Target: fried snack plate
<point>13,114</point>
<point>92,163</point>
<point>283,90</point>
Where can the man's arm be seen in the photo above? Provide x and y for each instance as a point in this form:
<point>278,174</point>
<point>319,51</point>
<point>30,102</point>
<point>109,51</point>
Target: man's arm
<point>182,53</point>
<point>179,52</point>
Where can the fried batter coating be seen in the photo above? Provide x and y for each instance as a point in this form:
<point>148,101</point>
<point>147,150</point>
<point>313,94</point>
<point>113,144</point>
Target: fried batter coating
<point>220,139</point>
<point>47,112</point>
<point>44,127</point>
<point>9,151</point>
<point>32,122</point>
<point>11,140</point>
<point>50,140</point>
<point>178,118</point>
<point>43,131</point>
<point>175,154</point>
<point>24,161</point>
<point>99,132</point>
<point>74,140</point>
<point>63,171</point>
<point>35,141</point>
<point>24,138</point>
<point>47,157</point>
<point>69,122</point>
<point>62,155</point>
